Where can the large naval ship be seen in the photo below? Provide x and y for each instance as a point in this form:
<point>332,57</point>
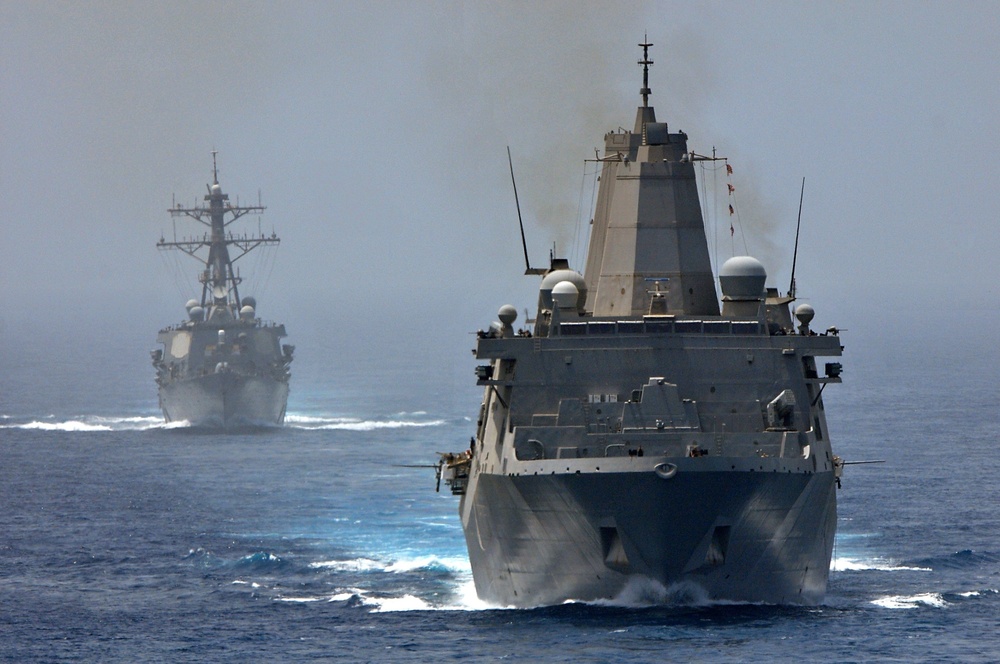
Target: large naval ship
<point>639,438</point>
<point>223,367</point>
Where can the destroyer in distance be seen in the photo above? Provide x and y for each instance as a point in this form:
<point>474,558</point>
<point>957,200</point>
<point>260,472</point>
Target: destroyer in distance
<point>639,435</point>
<point>224,367</point>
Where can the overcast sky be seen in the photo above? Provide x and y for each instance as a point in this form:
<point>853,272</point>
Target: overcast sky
<point>376,134</point>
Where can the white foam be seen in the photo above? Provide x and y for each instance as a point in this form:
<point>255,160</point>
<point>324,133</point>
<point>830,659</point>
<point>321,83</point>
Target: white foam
<point>313,423</point>
<point>933,600</point>
<point>396,604</point>
<point>354,565</point>
<point>878,564</point>
<point>70,425</point>
<point>422,562</point>
<point>90,423</point>
<point>640,591</point>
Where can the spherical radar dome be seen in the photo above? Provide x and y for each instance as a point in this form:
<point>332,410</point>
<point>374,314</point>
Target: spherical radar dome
<point>555,277</point>
<point>507,314</point>
<point>805,313</point>
<point>565,295</point>
<point>742,278</point>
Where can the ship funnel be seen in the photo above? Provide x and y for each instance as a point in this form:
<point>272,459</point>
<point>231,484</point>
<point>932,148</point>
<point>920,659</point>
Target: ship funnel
<point>742,280</point>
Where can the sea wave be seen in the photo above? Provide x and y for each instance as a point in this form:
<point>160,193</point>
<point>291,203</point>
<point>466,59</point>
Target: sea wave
<point>877,564</point>
<point>403,565</point>
<point>314,423</point>
<point>933,600</point>
<point>87,423</point>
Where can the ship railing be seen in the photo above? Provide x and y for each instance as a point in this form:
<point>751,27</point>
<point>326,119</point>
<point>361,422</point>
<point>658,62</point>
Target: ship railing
<point>661,325</point>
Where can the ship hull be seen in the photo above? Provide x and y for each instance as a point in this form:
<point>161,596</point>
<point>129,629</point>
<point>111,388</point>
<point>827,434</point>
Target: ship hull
<point>225,400</point>
<point>702,534</point>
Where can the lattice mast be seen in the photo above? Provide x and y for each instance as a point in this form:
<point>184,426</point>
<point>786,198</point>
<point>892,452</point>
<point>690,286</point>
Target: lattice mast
<point>220,282</point>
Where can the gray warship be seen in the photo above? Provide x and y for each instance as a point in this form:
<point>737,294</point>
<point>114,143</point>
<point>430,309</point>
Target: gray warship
<point>222,368</point>
<point>641,440</point>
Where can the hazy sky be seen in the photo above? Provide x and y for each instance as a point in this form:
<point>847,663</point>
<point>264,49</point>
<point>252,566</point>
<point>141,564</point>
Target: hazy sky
<point>376,132</point>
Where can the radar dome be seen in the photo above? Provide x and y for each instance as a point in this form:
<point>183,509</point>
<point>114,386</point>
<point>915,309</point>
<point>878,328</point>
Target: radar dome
<point>249,301</point>
<point>804,313</point>
<point>565,295</point>
<point>247,311</point>
<point>191,304</point>
<point>742,278</point>
<point>216,189</point>
<point>507,314</point>
<point>554,278</point>
<point>197,314</point>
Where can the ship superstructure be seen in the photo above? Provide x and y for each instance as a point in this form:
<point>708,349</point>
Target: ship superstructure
<point>223,367</point>
<point>640,433</point>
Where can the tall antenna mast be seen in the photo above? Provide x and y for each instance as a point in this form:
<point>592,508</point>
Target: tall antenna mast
<point>645,62</point>
<point>795,254</point>
<point>215,169</point>
<point>524,243</point>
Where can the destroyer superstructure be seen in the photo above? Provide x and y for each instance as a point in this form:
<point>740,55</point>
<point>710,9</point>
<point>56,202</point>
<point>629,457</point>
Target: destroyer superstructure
<point>639,433</point>
<point>223,367</point>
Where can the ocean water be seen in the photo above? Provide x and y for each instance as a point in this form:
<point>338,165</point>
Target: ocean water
<point>125,540</point>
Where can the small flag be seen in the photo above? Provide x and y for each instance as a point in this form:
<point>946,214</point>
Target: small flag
<point>729,169</point>
<point>731,188</point>
<point>731,211</point>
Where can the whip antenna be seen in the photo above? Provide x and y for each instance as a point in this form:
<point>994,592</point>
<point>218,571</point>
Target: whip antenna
<point>795,254</point>
<point>524,243</point>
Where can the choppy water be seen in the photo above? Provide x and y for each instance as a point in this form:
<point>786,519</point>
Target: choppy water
<point>125,540</point>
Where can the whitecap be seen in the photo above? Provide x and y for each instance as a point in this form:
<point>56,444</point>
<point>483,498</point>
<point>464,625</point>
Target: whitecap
<point>456,564</point>
<point>878,564</point>
<point>397,604</point>
<point>933,600</point>
<point>69,425</point>
<point>353,565</point>
<point>371,425</point>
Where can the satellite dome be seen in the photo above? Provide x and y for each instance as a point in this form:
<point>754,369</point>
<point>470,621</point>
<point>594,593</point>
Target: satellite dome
<point>507,314</point>
<point>249,301</point>
<point>804,313</point>
<point>742,278</point>
<point>191,304</point>
<point>554,278</point>
<point>565,295</point>
<point>247,311</point>
<point>197,314</point>
<point>216,189</point>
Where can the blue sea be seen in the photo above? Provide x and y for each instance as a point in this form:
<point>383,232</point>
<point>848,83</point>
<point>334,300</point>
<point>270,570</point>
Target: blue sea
<point>122,539</point>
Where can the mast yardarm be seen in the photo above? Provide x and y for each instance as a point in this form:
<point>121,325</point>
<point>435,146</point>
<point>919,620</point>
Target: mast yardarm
<point>645,62</point>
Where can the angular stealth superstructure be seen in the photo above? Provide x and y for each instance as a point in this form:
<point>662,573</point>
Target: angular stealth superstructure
<point>638,434</point>
<point>223,367</point>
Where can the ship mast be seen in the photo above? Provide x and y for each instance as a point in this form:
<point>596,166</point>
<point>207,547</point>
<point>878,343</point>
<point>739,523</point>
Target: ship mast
<point>220,282</point>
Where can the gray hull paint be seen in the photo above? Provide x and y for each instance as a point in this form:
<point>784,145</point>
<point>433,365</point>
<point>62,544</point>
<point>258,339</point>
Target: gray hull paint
<point>225,400</point>
<point>763,536</point>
